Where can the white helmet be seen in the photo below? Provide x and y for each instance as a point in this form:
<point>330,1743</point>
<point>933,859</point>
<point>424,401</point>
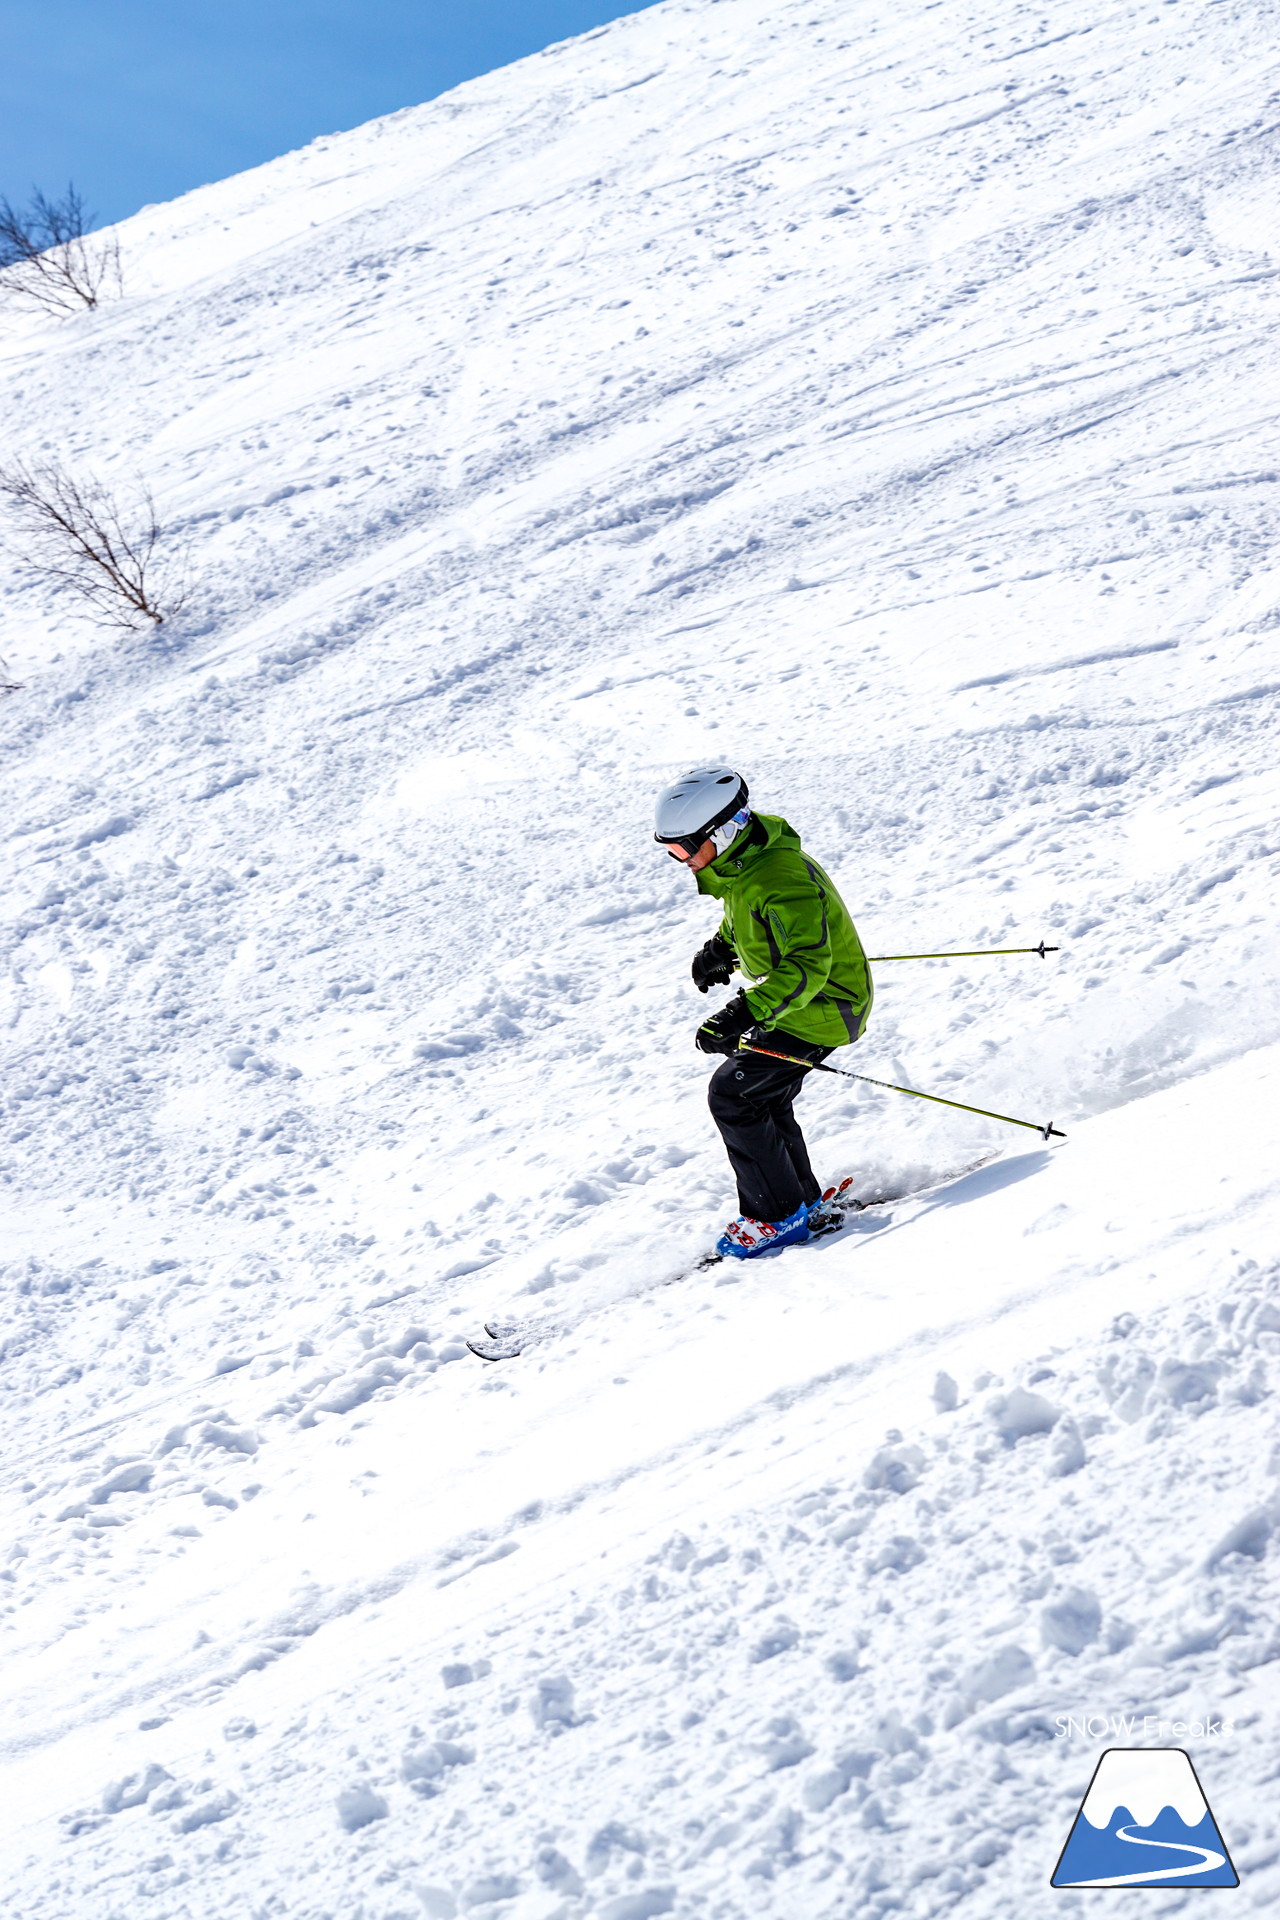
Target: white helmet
<point>710,803</point>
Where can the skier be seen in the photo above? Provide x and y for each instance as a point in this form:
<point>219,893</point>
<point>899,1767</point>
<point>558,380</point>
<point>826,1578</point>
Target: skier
<point>788,931</point>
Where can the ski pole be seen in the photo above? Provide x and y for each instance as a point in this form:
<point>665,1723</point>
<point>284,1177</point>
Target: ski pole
<point>1046,1133</point>
<point>973,953</point>
<point>977,953</point>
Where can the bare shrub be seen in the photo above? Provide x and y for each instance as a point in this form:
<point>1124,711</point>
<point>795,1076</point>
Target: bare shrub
<point>48,258</point>
<point>81,536</point>
<point>6,684</point>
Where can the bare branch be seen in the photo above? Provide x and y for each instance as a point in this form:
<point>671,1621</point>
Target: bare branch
<point>78,535</point>
<point>48,258</point>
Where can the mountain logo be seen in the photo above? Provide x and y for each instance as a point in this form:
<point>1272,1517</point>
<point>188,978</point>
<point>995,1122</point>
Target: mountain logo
<point>1145,1823</point>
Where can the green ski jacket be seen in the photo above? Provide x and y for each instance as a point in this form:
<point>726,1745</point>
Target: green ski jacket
<point>792,934</point>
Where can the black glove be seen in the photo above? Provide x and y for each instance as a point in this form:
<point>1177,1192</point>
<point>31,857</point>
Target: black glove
<point>720,1034</point>
<point>713,964</point>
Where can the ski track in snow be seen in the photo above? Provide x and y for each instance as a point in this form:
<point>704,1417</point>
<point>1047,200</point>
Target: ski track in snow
<point>884,403</point>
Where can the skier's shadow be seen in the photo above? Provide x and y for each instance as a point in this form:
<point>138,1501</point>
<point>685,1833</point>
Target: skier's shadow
<point>977,1185</point>
<point>987,1180</point>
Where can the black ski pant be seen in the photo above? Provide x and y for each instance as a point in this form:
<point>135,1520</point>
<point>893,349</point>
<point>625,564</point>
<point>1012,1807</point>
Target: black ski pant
<point>750,1097</point>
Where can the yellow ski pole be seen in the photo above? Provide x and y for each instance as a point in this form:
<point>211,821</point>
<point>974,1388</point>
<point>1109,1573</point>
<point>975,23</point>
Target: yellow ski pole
<point>1049,1132</point>
<point>976,953</point>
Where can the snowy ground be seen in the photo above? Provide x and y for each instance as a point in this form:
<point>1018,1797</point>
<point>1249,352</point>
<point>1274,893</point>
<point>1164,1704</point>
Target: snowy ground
<point>885,404</point>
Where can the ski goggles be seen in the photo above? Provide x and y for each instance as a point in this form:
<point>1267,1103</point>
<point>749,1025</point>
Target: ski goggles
<point>721,836</point>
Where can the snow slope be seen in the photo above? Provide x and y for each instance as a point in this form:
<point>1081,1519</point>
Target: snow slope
<point>884,403</point>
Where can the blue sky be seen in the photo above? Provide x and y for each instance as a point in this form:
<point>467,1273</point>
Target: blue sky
<point>139,100</point>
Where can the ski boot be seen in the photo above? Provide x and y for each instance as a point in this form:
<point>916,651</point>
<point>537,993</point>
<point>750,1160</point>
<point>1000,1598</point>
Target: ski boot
<point>745,1239</point>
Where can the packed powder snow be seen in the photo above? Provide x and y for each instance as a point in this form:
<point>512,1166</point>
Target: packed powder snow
<point>878,401</point>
